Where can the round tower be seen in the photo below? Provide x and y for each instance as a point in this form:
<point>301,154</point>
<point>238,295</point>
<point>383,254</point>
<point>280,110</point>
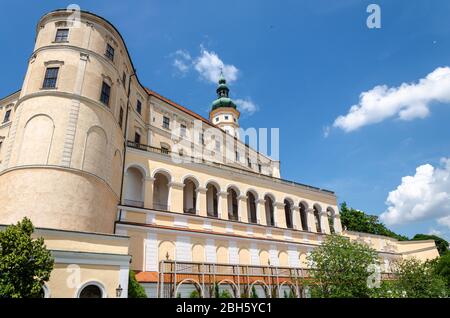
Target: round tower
<point>224,112</point>
<point>63,162</point>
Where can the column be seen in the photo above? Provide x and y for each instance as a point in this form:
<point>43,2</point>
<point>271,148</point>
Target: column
<point>337,223</point>
<point>222,202</point>
<point>280,217</point>
<point>324,224</point>
<point>296,221</point>
<point>242,208</point>
<point>175,200</point>
<point>201,201</point>
<point>261,211</point>
<point>311,220</point>
<point>148,192</point>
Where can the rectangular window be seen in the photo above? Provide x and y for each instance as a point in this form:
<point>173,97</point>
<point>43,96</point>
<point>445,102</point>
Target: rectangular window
<point>7,116</point>
<point>165,150</point>
<point>62,35</point>
<point>259,168</point>
<point>109,52</point>
<point>139,106</point>
<point>106,91</point>
<point>166,122</point>
<point>226,117</point>
<point>183,130</point>
<point>121,117</point>
<point>137,138</point>
<point>237,156</point>
<point>51,75</point>
<point>201,138</point>
<point>249,162</point>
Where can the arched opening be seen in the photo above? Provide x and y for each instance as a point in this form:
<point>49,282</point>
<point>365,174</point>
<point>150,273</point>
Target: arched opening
<point>317,218</point>
<point>228,288</point>
<point>287,290</point>
<point>161,192</point>
<point>212,200</point>
<point>331,215</point>
<point>190,196</point>
<point>259,289</point>
<point>134,187</point>
<point>304,215</point>
<point>91,291</point>
<point>270,216</point>
<point>232,198</point>
<point>288,213</point>
<point>251,207</point>
<point>189,288</point>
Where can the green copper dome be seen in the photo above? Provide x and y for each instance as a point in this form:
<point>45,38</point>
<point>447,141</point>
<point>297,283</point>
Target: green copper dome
<point>223,100</point>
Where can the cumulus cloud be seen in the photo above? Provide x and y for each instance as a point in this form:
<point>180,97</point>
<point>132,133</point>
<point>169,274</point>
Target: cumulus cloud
<point>182,61</point>
<point>406,102</point>
<point>426,195</point>
<point>246,105</point>
<point>209,66</point>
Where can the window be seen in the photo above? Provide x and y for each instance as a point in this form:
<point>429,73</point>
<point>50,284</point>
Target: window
<point>109,52</point>
<point>51,75</point>
<point>106,91</point>
<point>121,117</point>
<point>249,162</point>
<point>1,143</point>
<point>183,130</point>
<point>237,156</point>
<point>124,79</point>
<point>217,119</point>
<point>137,138</point>
<point>91,291</point>
<point>166,122</point>
<point>259,168</point>
<point>7,116</point>
<point>62,35</point>
<point>201,138</point>
<point>165,150</point>
<point>226,117</point>
<point>139,106</point>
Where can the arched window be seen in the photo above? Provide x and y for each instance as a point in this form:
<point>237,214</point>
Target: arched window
<point>317,218</point>
<point>251,207</point>
<point>91,291</point>
<point>331,214</point>
<point>134,187</point>
<point>232,205</point>
<point>269,210</point>
<point>161,192</point>
<point>190,196</point>
<point>288,213</point>
<point>212,200</point>
<point>304,215</point>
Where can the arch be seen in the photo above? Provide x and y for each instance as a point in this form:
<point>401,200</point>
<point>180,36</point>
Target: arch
<point>251,207</point>
<point>196,284</point>
<point>269,208</point>
<point>142,168</point>
<point>244,256</point>
<point>37,140</point>
<point>166,248</point>
<point>161,190</point>
<point>304,215</point>
<point>288,203</point>
<point>264,258</point>
<point>164,172</point>
<point>233,204</point>
<point>263,285</point>
<point>95,147</point>
<point>134,187</point>
<point>198,253</point>
<point>291,286</point>
<point>222,254</point>
<point>116,170</point>
<point>283,259</point>
<point>317,210</point>
<point>331,219</point>
<point>233,285</point>
<point>212,200</point>
<point>95,283</point>
<point>190,195</point>
<point>192,178</point>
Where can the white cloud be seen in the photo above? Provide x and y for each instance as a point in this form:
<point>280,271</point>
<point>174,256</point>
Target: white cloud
<point>434,232</point>
<point>209,66</point>
<point>182,61</point>
<point>426,195</point>
<point>407,102</point>
<point>246,105</point>
<point>326,131</point>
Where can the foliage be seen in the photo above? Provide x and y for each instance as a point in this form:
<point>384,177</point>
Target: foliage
<point>254,294</point>
<point>441,244</point>
<point>194,294</point>
<point>340,268</point>
<point>25,263</point>
<point>135,290</point>
<point>441,267</point>
<point>225,294</point>
<point>355,220</point>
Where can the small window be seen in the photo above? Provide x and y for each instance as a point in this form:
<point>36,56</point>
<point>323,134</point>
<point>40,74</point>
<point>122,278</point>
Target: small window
<point>7,116</point>
<point>165,150</point>
<point>62,35</point>
<point>121,117</point>
<point>217,119</point>
<point>137,138</point>
<point>237,156</point>
<point>91,291</point>
<point>51,75</point>
<point>109,52</point>
<point>201,138</point>
<point>249,162</point>
<point>259,168</point>
<point>166,122</point>
<point>139,106</point>
<point>106,91</point>
<point>226,117</point>
<point>183,130</point>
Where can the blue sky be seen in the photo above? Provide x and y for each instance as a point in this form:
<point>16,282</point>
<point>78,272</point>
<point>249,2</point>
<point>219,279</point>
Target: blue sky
<point>303,64</point>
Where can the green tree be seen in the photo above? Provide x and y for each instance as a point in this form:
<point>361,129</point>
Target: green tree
<point>135,290</point>
<point>441,244</point>
<point>254,294</point>
<point>442,268</point>
<point>418,279</point>
<point>25,263</point>
<point>194,294</point>
<point>340,268</point>
<point>225,294</point>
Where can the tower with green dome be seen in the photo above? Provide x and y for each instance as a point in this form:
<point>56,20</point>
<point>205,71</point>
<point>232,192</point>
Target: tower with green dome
<point>224,112</point>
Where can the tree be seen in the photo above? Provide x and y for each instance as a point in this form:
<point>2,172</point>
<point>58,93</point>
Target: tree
<point>25,263</point>
<point>441,244</point>
<point>340,268</point>
<point>194,294</point>
<point>441,267</point>
<point>135,290</point>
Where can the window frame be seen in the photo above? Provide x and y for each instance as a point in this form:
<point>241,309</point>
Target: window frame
<point>59,39</point>
<point>7,117</point>
<point>166,122</point>
<point>103,93</point>
<point>110,52</point>
<point>139,107</point>
<point>51,81</point>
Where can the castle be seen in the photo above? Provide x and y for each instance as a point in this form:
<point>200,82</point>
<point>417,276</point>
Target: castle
<point>87,153</point>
